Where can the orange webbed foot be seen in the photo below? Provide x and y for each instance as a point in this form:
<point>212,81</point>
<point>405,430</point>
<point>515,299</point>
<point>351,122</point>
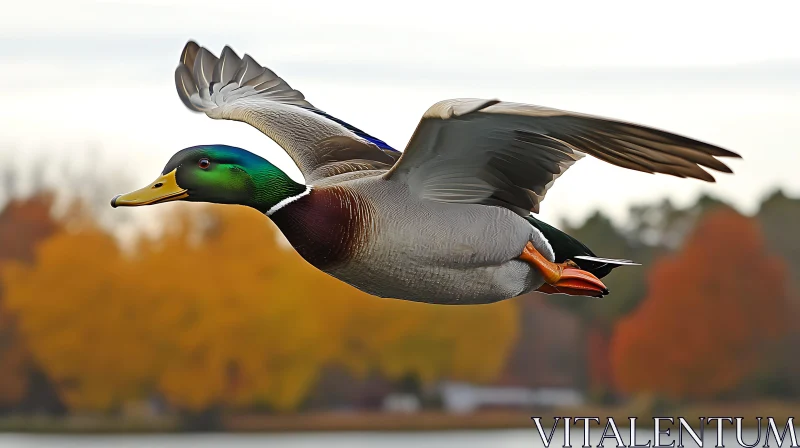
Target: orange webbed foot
<point>563,278</point>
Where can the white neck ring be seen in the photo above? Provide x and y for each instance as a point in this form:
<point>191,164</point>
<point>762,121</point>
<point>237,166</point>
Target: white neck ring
<point>287,201</point>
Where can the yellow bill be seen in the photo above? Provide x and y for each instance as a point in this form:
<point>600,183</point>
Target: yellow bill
<point>163,189</point>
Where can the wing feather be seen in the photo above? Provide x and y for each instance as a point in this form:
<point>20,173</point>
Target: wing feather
<point>240,89</point>
<point>509,154</point>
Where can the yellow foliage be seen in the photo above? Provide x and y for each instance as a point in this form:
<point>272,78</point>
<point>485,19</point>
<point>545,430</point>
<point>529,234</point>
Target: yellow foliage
<point>217,311</point>
<point>23,224</point>
<point>69,313</point>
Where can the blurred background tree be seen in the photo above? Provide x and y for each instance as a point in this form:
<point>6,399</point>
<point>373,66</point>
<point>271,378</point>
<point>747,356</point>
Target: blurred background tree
<point>779,215</point>
<point>712,311</point>
<point>24,223</point>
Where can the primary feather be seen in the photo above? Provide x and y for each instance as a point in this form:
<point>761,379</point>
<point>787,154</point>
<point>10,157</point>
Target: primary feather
<point>240,89</point>
<point>509,154</point>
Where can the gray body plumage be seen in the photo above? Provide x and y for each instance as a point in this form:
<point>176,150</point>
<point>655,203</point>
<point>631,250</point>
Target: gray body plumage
<point>436,252</point>
<point>447,215</point>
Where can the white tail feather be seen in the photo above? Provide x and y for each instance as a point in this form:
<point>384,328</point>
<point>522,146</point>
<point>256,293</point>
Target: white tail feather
<point>608,260</point>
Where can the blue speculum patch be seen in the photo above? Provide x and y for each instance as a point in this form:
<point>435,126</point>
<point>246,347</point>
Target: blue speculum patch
<point>378,142</point>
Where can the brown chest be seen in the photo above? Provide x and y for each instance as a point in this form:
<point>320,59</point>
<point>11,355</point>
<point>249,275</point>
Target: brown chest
<point>328,226</point>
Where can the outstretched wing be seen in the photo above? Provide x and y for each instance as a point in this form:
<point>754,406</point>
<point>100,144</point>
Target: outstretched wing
<point>509,154</point>
<point>240,89</point>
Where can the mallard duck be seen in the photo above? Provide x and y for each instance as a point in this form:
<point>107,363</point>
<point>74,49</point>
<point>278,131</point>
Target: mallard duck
<point>449,220</point>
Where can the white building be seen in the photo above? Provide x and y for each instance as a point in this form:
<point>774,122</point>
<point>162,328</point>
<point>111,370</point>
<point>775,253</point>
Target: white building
<point>462,397</point>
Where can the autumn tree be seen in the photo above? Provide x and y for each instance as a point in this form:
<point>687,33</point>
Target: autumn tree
<point>467,343</point>
<point>779,215</point>
<point>651,229</point>
<point>710,312</point>
<point>23,224</point>
<point>218,311</point>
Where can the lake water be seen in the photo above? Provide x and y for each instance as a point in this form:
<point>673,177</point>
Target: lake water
<point>438,439</point>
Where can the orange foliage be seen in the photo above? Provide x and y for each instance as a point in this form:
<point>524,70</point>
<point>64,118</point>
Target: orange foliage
<point>711,310</point>
<point>23,224</point>
<point>218,311</point>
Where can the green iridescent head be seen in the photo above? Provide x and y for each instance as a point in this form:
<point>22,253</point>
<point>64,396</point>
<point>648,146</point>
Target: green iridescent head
<point>216,173</point>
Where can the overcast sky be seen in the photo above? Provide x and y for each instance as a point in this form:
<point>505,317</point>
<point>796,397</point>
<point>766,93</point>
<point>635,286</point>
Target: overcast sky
<point>84,74</point>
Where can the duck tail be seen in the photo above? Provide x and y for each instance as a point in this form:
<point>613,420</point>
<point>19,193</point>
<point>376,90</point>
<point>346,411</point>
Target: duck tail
<point>566,248</point>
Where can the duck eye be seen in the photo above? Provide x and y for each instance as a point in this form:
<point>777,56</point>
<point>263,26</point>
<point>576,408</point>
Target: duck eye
<point>204,163</point>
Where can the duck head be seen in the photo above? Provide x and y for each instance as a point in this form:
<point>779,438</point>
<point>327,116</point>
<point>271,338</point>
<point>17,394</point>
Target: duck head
<point>216,173</point>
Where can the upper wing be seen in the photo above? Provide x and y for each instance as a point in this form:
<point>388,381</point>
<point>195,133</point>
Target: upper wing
<point>240,89</point>
<point>508,154</point>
